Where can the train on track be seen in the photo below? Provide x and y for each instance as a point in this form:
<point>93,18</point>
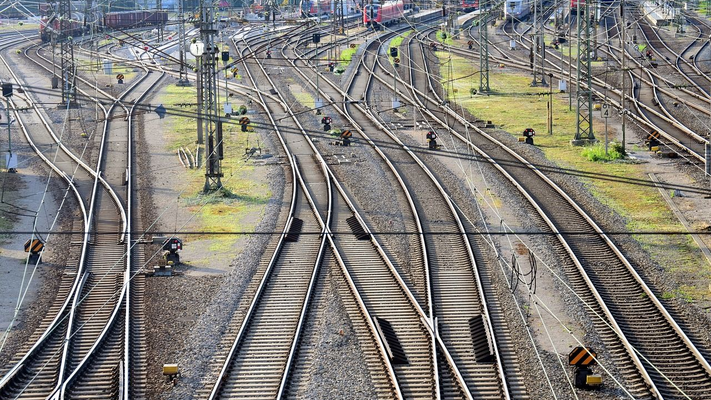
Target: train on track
<point>81,23</point>
<point>574,4</point>
<point>326,8</point>
<point>378,15</point>
<point>470,5</point>
<point>517,9</point>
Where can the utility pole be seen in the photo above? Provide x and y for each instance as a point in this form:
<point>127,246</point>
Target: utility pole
<point>483,48</point>
<point>66,51</point>
<point>534,44</point>
<point>212,126</point>
<point>570,57</point>
<point>87,12</point>
<point>539,47</point>
<point>584,123</point>
<point>159,6</point>
<point>183,79</point>
<point>550,104</point>
<point>624,72</point>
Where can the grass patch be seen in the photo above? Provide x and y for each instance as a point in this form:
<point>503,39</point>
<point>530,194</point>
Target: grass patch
<point>305,99</point>
<point>233,209</point>
<point>396,42</point>
<point>444,37</point>
<point>597,152</point>
<point>643,207</point>
<point>347,55</point>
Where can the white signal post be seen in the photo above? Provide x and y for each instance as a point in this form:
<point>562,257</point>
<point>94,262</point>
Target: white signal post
<point>605,113</point>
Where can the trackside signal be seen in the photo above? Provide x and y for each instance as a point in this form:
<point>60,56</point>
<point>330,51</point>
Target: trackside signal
<point>583,358</point>
<point>244,121</point>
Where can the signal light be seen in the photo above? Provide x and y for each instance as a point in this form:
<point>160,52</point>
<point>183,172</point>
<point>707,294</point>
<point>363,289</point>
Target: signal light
<point>393,52</point>
<point>7,89</point>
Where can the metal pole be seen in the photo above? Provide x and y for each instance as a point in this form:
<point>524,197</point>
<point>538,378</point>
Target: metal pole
<point>318,99</point>
<point>198,61</point>
<point>624,73</point>
<point>183,79</point>
<point>570,58</point>
<point>9,136</point>
<point>550,105</point>
<point>534,49</point>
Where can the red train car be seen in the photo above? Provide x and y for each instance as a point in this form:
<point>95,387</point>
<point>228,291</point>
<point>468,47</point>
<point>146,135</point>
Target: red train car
<point>134,19</point>
<point>574,5</point>
<point>112,20</point>
<point>379,15</point>
<point>51,24</point>
<point>470,5</point>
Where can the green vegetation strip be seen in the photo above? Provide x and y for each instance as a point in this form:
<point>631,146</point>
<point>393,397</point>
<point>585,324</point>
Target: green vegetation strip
<point>238,207</point>
<point>514,106</point>
<point>396,42</point>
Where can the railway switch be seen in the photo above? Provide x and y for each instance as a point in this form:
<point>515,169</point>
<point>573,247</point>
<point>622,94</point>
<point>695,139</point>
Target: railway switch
<point>528,135</point>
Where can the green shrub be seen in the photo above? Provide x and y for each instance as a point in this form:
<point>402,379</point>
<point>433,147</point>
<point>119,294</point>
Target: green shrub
<point>597,152</point>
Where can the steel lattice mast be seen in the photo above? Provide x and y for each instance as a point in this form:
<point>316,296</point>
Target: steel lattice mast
<point>584,124</point>
<point>66,50</point>
<point>183,80</point>
<point>212,128</point>
<point>159,6</point>
<point>483,48</point>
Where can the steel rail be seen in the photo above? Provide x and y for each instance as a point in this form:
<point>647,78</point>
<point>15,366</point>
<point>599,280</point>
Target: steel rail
<point>425,318</point>
<point>333,181</point>
<point>214,393</point>
<point>86,218</point>
<point>599,232</point>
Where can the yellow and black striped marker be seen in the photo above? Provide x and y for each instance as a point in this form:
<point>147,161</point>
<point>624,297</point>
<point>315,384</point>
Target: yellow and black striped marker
<point>34,246</point>
<point>582,357</point>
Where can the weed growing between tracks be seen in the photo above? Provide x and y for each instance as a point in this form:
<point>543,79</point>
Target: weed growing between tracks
<point>238,207</point>
<point>513,105</point>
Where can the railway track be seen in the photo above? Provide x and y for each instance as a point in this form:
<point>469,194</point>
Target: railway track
<point>320,204</point>
<point>439,265</point>
<point>601,275</point>
<point>645,97</point>
<point>97,359</point>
